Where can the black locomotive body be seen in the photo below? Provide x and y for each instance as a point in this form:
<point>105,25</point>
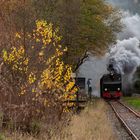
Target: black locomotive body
<point>111,85</point>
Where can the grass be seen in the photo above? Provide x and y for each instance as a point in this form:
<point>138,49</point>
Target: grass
<point>133,101</point>
<point>91,124</point>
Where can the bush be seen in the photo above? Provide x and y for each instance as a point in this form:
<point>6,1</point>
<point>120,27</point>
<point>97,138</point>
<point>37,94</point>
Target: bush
<point>35,80</point>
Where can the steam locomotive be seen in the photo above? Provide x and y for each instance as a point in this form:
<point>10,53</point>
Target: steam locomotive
<point>111,84</point>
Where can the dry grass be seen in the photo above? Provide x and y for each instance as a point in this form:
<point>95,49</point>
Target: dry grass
<point>91,124</point>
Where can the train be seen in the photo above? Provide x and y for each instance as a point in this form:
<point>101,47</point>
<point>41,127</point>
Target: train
<point>111,84</point>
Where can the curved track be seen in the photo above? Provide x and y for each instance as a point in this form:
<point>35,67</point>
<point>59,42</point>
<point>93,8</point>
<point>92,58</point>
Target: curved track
<point>128,117</point>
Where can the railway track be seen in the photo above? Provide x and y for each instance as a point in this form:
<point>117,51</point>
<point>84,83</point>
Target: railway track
<point>128,117</point>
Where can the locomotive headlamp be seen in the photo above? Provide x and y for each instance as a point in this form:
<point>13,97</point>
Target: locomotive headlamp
<point>105,89</point>
<point>118,89</point>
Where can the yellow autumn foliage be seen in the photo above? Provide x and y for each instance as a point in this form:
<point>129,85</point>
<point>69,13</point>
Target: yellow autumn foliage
<point>16,59</point>
<point>31,78</point>
<point>45,72</point>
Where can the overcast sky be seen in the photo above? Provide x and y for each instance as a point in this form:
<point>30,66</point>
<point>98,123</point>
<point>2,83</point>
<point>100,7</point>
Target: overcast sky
<point>132,5</point>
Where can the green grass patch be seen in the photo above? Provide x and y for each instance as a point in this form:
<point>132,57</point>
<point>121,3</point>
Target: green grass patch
<point>133,101</point>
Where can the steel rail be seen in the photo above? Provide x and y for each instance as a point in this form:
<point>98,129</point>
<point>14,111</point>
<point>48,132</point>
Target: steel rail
<point>131,133</point>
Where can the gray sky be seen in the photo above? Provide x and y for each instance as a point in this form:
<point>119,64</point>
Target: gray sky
<point>132,5</point>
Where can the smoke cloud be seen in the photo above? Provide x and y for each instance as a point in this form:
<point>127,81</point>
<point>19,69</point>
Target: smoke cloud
<point>131,26</point>
<point>125,56</point>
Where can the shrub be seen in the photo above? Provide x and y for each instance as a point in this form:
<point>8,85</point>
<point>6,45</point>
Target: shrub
<point>35,78</point>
